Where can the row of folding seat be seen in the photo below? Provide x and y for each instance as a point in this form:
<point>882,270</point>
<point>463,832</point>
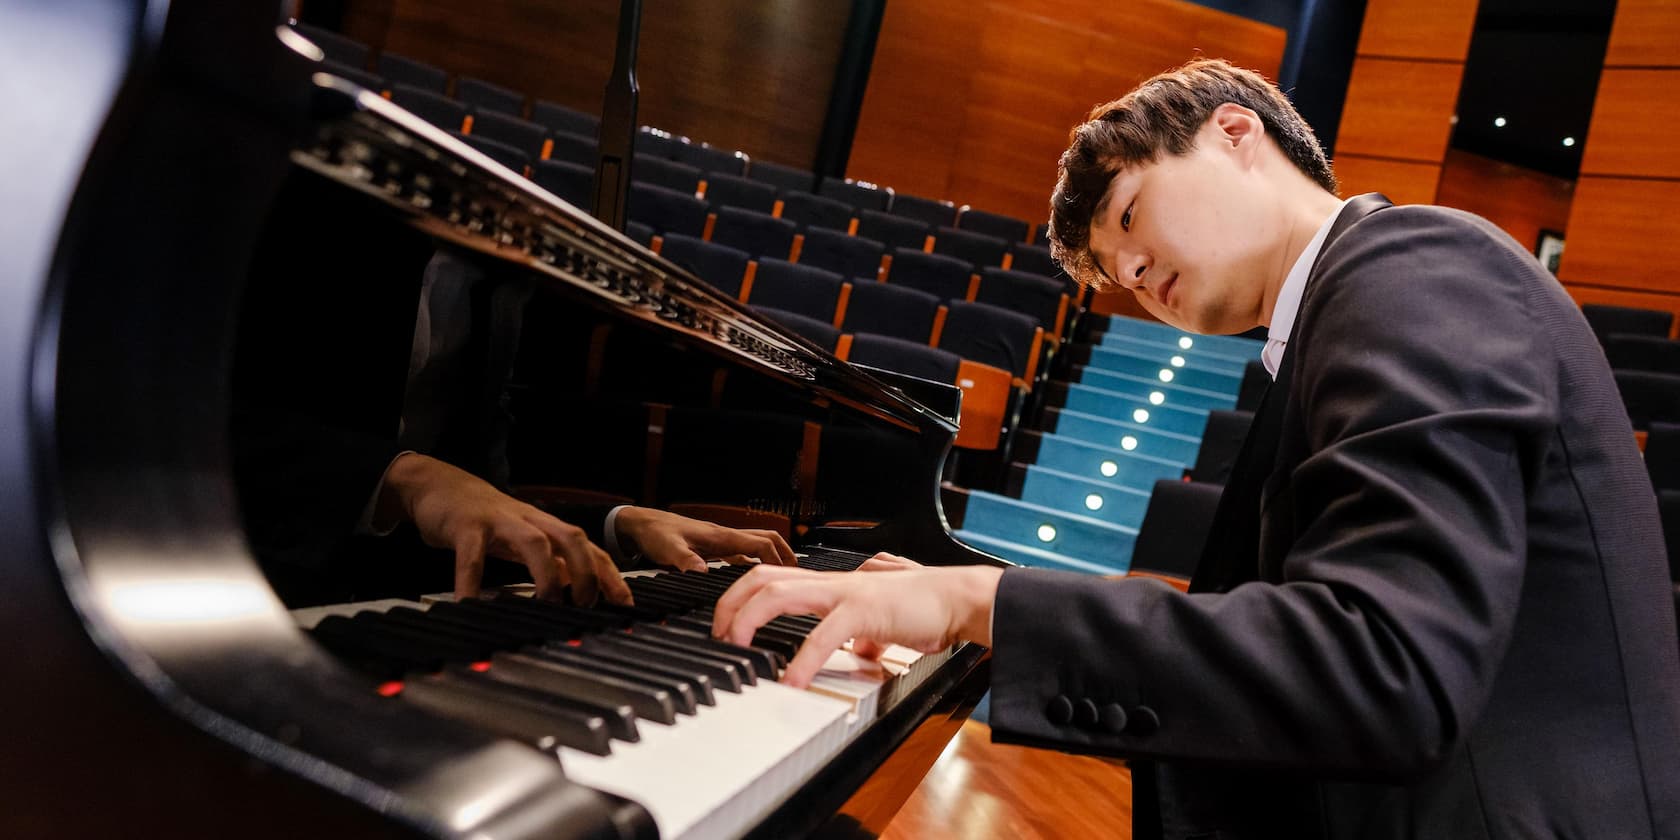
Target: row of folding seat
<point>1646,363</point>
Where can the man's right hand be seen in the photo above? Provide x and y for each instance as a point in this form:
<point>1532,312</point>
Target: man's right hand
<point>455,509</point>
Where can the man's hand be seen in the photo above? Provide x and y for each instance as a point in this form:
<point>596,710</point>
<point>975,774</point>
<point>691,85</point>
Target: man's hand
<point>455,509</point>
<point>677,541</point>
<point>927,609</point>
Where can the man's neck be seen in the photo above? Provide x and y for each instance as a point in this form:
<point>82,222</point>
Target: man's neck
<point>1306,216</point>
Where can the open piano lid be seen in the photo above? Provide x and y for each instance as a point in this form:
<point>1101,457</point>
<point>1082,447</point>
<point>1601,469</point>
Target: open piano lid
<point>155,680</point>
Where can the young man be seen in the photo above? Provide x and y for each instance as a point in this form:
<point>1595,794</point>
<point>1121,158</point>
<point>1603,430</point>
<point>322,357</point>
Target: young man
<point>1435,602</point>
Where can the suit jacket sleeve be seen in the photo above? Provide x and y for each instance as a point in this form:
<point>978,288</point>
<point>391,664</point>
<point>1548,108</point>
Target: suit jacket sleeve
<point>1426,397</point>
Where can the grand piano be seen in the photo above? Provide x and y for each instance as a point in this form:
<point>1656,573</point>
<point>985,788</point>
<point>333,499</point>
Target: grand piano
<point>155,682</point>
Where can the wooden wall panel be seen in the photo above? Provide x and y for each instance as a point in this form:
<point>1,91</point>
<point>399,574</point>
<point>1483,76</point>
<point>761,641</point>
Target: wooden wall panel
<point>1623,239</point>
<point>1400,109</point>
<point>1633,122</point>
<point>1521,201</point>
<point>1646,34</point>
<point>973,101</point>
<point>1404,182</point>
<point>1401,97</point>
<point>1438,29</point>
<point>736,73</point>
<point>1624,233</point>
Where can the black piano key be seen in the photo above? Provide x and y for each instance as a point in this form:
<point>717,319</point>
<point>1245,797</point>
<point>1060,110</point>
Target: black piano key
<point>769,640</point>
<point>635,612</point>
<point>591,686</point>
<point>620,718</point>
<point>660,603</point>
<point>542,725</point>
<point>763,662</point>
<point>680,692</point>
<point>739,665</point>
<point>697,682</point>
<point>722,675</point>
<point>417,652</point>
<point>495,638</point>
<point>593,619</point>
<point>529,629</point>
<point>670,586</point>
<point>457,648</point>
<point>372,655</point>
<point>798,625</point>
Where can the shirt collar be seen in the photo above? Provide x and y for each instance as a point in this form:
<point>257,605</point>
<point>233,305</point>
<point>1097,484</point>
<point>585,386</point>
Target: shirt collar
<point>1289,295</point>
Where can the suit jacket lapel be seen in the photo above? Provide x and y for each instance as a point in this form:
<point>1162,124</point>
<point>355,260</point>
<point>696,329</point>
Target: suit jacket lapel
<point>1232,553</point>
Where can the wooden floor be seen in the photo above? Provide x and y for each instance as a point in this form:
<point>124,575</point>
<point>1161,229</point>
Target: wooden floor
<point>983,790</point>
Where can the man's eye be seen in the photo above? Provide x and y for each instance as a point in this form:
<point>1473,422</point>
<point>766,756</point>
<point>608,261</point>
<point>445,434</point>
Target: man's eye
<point>1126,217</point>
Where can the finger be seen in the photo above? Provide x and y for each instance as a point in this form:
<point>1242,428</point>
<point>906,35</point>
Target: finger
<point>685,560</point>
<point>580,562</point>
<point>613,587</point>
<point>742,560</point>
<point>469,565</point>
<point>867,649</point>
<point>783,597</point>
<point>830,634</point>
<point>737,594</point>
<point>520,540</point>
<point>784,552</point>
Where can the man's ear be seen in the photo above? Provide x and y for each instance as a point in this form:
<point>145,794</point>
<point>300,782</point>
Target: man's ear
<point>1238,130</point>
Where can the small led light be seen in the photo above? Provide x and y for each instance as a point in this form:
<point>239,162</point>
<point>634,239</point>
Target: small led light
<point>1109,468</point>
<point>1568,141</point>
<point>1128,443</point>
<point>1093,502</point>
<point>1166,375</point>
<point>1177,361</point>
<point>1046,532</point>
<point>1141,415</point>
<point>1156,398</point>
<point>1498,122</point>
<point>1184,343</point>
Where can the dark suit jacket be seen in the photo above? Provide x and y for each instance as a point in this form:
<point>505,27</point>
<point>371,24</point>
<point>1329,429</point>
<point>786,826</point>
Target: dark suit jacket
<point>1435,604</point>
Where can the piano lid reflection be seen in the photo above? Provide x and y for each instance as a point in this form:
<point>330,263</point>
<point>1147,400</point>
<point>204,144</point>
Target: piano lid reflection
<point>173,144</point>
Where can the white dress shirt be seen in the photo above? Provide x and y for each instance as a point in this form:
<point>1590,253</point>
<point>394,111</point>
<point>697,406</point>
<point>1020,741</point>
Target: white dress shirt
<point>1289,297</point>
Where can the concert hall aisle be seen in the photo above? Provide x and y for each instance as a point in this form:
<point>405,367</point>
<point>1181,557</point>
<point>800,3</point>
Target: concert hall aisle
<point>981,790</point>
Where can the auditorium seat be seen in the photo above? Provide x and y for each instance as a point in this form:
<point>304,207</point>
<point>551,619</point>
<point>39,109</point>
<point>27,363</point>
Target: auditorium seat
<point>859,194</point>
<point>791,287</point>
<point>992,336</point>
<point>1007,228</point>
<point>572,182</point>
<point>413,72</point>
<point>560,118</point>
<point>719,265</point>
<point>655,141</point>
<point>1034,259</point>
<point>1175,528</point>
<point>1040,297</point>
<point>977,249</point>
<point>885,309</point>
<point>574,148</point>
<point>439,110</point>
<point>488,96</point>
<point>815,211</point>
<point>1252,388</point>
<point>1643,352</point>
<point>759,234</point>
<point>496,150</point>
<point>639,232</point>
<point>907,357</point>
<point>709,158</point>
<point>893,231</point>
<point>1649,397</point>
<point>371,81</point>
<point>855,257</point>
<point>1041,234</point>
<point>1609,320</point>
<point>1222,439</point>
<point>527,137</point>
<point>1662,455</point>
<point>652,169</point>
<point>934,213</point>
<point>340,48</point>
<point>780,176</point>
<point>1668,507</point>
<point>822,334</point>
<point>738,191</point>
<point>667,210</point>
<point>946,278</point>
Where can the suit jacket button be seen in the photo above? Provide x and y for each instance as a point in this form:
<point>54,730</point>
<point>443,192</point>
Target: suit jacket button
<point>1060,710</point>
<point>1085,714</point>
<point>1142,721</point>
<point>1112,719</point>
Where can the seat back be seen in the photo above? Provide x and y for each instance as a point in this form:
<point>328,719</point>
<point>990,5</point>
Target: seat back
<point>1643,352</point>
<point>991,336</point>
<point>656,142</point>
<point>720,266</point>
<point>709,158</point>
<point>502,153</point>
<point>488,96</point>
<point>927,210</point>
<point>1609,320</point>
<point>527,137</point>
<point>859,194</point>
<point>738,191</point>
<point>667,210</point>
<point>792,287</point>
<point>780,176</point>
<point>759,234</point>
<point>437,109</point>
<point>978,249</point>
<point>573,183</point>
<point>850,256</point>
<point>340,48</point>
<point>906,357</point>
<point>1007,228</point>
<point>1029,294</point>
<point>1662,455</point>
<point>815,211</point>
<point>413,72</point>
<point>1175,528</point>
<point>946,278</point>
<point>558,117</point>
<point>893,231</point>
<point>822,334</point>
<point>1222,439</point>
<point>574,148</point>
<point>371,81</point>
<point>886,309</point>
<point>1649,397</point>
<point>652,169</point>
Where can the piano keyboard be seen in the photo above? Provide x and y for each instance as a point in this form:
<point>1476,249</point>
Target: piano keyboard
<point>636,701</point>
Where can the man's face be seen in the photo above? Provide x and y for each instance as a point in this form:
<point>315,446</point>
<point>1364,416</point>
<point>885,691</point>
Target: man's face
<point>1192,235</point>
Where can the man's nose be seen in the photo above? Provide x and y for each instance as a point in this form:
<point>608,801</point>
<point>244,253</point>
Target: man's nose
<point>1133,270</point>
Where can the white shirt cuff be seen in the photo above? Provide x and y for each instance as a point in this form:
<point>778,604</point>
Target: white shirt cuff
<point>609,536</point>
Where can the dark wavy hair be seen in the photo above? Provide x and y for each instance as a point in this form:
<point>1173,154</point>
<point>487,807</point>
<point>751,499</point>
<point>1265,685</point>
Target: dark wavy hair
<point>1162,115</point>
